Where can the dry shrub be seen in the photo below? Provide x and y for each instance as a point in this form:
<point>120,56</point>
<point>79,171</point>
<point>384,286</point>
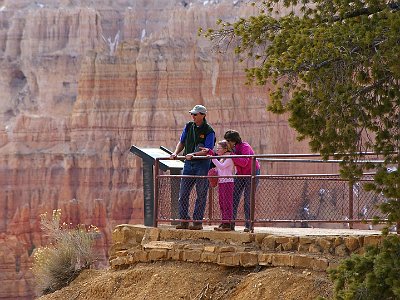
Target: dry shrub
<point>69,252</point>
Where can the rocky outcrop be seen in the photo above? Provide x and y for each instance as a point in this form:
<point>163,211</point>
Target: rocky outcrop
<point>308,250</point>
<point>72,103</point>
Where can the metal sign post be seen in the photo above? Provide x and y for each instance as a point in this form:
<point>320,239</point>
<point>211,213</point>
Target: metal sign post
<point>175,167</point>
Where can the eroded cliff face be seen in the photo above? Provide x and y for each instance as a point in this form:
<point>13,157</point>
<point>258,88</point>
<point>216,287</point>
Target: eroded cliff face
<point>71,106</point>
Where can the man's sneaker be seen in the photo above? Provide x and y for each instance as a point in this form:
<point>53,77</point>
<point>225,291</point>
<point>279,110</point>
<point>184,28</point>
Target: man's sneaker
<point>247,227</point>
<point>182,225</point>
<point>196,226</point>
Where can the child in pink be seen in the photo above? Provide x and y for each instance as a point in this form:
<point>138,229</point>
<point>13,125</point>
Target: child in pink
<point>225,167</point>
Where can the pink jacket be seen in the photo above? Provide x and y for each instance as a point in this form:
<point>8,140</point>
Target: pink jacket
<point>225,168</point>
<point>243,164</point>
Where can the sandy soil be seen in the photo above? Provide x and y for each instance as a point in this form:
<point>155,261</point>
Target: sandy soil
<point>181,280</point>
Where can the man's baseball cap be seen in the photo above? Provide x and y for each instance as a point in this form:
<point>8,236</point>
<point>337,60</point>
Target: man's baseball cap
<point>199,109</point>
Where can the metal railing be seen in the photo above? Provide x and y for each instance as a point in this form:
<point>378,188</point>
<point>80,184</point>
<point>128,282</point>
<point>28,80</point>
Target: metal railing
<point>302,199</point>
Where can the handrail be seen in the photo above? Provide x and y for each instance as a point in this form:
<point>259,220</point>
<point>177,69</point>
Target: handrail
<point>273,158</point>
<point>264,157</point>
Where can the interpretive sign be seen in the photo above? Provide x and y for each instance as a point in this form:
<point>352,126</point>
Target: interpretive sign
<point>175,167</point>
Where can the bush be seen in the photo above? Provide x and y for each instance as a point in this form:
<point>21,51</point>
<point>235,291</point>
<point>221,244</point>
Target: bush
<point>374,275</point>
<point>69,252</point>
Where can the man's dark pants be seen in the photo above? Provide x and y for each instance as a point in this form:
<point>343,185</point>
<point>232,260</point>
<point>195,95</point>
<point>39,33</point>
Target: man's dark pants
<point>200,168</point>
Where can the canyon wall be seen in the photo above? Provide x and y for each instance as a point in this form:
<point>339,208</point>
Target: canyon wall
<point>72,104</point>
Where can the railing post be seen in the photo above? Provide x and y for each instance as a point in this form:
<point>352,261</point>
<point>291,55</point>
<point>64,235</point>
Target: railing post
<point>156,180</point>
<point>351,199</point>
<point>252,192</point>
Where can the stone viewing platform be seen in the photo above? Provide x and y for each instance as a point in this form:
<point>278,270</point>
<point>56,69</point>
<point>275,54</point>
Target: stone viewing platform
<point>310,248</point>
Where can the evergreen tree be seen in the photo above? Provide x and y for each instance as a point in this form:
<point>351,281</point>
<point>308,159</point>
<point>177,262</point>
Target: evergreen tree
<point>374,275</point>
<point>335,69</point>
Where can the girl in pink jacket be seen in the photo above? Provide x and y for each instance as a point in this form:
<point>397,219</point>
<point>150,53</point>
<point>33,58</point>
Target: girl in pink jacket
<point>225,167</point>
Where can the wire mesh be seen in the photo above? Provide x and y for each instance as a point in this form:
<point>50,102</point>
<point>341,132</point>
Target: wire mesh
<point>299,199</point>
<point>366,203</point>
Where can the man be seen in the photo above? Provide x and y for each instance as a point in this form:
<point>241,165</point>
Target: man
<point>243,167</point>
<point>197,133</point>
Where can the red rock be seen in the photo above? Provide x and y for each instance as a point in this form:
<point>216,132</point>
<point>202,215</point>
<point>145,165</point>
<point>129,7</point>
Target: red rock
<point>69,112</point>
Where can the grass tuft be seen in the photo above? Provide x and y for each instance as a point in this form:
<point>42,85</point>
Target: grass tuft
<point>70,251</point>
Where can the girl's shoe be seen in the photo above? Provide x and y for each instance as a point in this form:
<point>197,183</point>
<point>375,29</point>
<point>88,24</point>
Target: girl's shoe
<point>223,227</point>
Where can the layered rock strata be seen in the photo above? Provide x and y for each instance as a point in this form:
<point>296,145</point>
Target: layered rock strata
<point>81,83</point>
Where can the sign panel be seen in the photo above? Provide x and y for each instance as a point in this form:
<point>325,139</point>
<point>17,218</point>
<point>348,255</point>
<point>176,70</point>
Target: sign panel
<point>148,156</point>
<point>153,153</point>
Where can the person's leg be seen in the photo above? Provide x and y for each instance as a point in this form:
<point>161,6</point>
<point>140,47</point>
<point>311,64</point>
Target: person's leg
<point>229,200</point>
<point>201,200</point>
<point>246,202</point>
<point>185,188</point>
<point>221,193</point>
<point>258,172</point>
<point>221,200</point>
<point>184,193</point>
<point>201,169</point>
<point>225,191</point>
<point>247,193</point>
<point>237,193</point>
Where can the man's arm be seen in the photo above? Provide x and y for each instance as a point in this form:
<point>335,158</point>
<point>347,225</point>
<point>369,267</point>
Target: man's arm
<point>181,144</point>
<point>178,149</point>
<point>210,140</point>
<point>209,143</point>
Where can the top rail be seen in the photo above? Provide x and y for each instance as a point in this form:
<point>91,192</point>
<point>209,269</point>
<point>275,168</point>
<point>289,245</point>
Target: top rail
<point>304,198</point>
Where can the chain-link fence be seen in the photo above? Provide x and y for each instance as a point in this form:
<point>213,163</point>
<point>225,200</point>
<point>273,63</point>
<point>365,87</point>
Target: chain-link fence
<point>302,200</point>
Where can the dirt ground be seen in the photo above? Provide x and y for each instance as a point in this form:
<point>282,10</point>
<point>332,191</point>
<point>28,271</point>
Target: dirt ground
<point>181,280</point>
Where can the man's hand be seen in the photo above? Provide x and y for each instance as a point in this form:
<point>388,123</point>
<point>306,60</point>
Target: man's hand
<point>173,156</point>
